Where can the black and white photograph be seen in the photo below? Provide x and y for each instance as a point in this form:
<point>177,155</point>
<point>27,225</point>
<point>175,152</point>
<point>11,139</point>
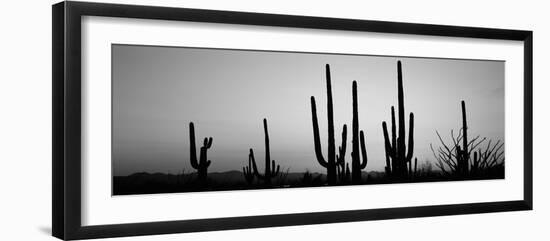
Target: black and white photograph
<point>188,119</point>
<point>281,121</point>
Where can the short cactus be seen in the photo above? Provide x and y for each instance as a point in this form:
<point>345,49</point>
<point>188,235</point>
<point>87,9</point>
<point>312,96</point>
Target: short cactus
<point>202,164</point>
<point>272,170</point>
<point>342,168</point>
<point>248,173</point>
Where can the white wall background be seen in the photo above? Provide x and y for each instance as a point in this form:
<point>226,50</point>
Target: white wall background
<point>25,123</point>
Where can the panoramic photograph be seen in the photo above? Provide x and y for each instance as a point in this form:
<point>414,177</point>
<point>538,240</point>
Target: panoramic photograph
<point>203,119</point>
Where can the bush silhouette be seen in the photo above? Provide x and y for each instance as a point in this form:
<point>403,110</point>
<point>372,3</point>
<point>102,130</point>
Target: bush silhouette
<point>461,159</point>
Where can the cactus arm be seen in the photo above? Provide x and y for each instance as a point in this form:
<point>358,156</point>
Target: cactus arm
<point>254,167</point>
<point>275,170</point>
<point>340,158</point>
<point>363,151</point>
<point>316,137</point>
<point>394,133</point>
<point>393,150</point>
<point>410,146</point>
<point>207,143</point>
<point>387,144</point>
<point>193,150</point>
<point>388,148</point>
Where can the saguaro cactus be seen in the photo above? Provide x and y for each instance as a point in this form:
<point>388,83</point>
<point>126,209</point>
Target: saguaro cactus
<point>248,173</point>
<point>202,164</point>
<point>342,168</point>
<point>356,164</point>
<point>462,153</point>
<point>398,154</point>
<point>271,171</point>
<point>344,173</point>
<point>329,163</point>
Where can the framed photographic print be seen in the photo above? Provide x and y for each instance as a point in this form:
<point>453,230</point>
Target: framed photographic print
<point>160,114</point>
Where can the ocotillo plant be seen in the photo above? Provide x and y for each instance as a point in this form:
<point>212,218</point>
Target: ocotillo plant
<point>356,164</point>
<point>271,171</point>
<point>488,161</point>
<point>398,154</point>
<point>457,160</point>
<point>329,163</point>
<point>202,164</point>
<point>248,173</point>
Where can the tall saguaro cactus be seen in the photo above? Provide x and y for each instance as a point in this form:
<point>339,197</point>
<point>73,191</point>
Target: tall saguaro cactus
<point>356,164</point>
<point>399,154</point>
<point>271,171</point>
<point>462,153</point>
<point>202,164</point>
<point>330,162</point>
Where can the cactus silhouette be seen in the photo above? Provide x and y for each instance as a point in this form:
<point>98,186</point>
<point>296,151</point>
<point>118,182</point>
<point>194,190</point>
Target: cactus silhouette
<point>271,171</point>
<point>202,164</point>
<point>356,164</point>
<point>342,168</point>
<point>412,170</point>
<point>329,163</point>
<point>248,173</point>
<point>344,173</point>
<point>398,154</point>
<point>462,152</point>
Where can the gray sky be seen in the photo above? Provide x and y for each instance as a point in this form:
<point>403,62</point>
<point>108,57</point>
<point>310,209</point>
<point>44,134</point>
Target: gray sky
<point>157,91</point>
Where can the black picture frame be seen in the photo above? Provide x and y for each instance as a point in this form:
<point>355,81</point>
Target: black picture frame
<point>66,128</point>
